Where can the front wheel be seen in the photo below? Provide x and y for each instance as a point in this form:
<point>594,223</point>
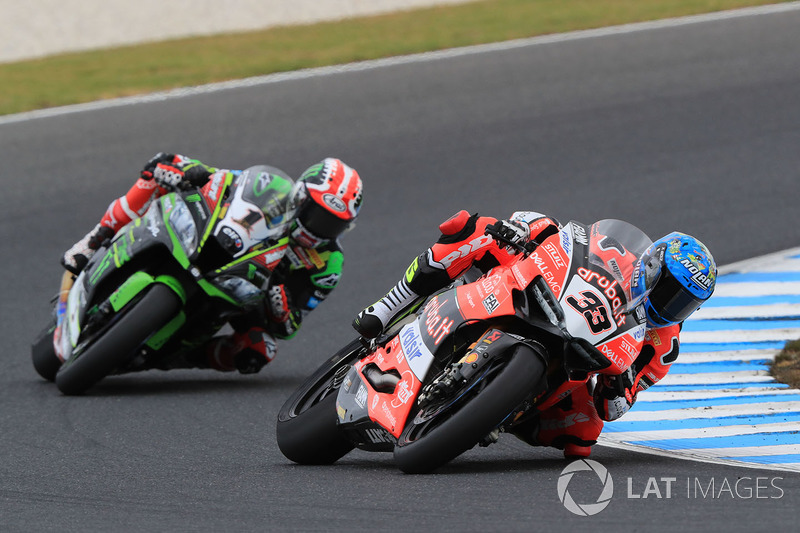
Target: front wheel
<point>307,431</point>
<point>43,354</point>
<point>429,442</point>
<point>115,348</point>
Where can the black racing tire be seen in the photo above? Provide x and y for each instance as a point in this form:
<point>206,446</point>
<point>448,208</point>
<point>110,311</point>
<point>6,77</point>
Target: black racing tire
<point>425,446</point>
<point>116,347</point>
<point>43,354</point>
<point>307,430</point>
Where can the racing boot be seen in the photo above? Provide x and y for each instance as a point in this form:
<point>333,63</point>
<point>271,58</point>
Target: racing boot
<point>426,274</point>
<point>75,258</point>
<point>373,320</point>
<point>572,450</point>
<point>246,352</point>
<point>572,425</point>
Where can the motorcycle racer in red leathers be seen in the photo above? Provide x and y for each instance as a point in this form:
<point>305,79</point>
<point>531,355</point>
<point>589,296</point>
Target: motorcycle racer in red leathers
<point>323,203</point>
<point>677,272</point>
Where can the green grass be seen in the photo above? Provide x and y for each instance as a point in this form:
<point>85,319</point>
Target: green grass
<point>88,76</point>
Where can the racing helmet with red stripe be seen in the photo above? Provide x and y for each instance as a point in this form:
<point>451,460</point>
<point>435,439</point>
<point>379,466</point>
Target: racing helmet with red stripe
<point>327,198</point>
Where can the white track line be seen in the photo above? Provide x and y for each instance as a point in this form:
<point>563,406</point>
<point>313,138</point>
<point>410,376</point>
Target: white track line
<point>723,431</point>
<point>401,60</point>
<point>747,312</point>
<point>734,335</point>
<point>715,411</point>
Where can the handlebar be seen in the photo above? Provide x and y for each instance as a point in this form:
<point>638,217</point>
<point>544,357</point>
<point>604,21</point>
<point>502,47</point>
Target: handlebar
<point>525,249</point>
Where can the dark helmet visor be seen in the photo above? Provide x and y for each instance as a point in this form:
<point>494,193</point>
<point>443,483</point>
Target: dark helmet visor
<point>320,221</point>
<point>671,300</point>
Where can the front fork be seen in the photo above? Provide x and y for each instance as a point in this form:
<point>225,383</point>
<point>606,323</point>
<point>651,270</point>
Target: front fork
<point>67,281</point>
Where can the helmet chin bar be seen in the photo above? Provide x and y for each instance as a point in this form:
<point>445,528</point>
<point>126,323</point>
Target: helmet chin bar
<point>654,320</point>
<point>305,238</point>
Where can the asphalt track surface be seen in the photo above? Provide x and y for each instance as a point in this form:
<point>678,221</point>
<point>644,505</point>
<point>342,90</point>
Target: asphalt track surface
<point>692,128</point>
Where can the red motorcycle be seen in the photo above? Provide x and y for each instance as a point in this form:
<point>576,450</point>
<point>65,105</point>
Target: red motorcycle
<point>479,357</point>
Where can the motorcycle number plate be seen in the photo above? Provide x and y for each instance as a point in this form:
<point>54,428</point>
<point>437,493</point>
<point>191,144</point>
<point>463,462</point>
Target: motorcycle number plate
<point>587,311</point>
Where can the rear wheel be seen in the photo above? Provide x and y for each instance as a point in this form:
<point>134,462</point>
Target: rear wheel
<point>43,354</point>
<point>307,431</point>
<point>439,434</point>
<point>116,347</point>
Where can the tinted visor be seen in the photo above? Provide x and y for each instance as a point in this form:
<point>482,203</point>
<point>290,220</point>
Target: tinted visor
<point>321,222</point>
<point>671,300</point>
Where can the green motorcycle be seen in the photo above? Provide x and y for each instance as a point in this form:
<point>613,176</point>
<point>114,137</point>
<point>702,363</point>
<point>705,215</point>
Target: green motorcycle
<point>168,281</point>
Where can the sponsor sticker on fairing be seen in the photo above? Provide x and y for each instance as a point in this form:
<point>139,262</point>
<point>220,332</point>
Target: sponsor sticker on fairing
<point>214,185</point>
<point>404,390</point>
<point>436,325</point>
<point>361,395</point>
<point>152,226</point>
<point>417,354</point>
<point>168,205</point>
<point>378,436</point>
<point>555,255</point>
<point>491,304</point>
<point>234,237</point>
<point>579,234</point>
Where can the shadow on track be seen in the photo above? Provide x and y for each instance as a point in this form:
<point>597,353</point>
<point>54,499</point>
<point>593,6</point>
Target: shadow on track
<point>469,466</point>
<point>516,457</point>
<point>155,384</point>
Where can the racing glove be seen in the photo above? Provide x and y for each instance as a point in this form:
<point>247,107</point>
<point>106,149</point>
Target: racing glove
<point>278,303</point>
<point>283,323</point>
<point>615,395</point>
<point>168,177</point>
<point>149,167</point>
<point>76,258</point>
<point>195,173</point>
<point>513,231</point>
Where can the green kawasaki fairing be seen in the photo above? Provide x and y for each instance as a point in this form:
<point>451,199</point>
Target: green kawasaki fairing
<point>139,256</point>
<point>169,280</point>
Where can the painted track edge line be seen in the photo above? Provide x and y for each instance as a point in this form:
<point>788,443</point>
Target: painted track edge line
<point>689,457</point>
<point>755,262</point>
<point>609,440</point>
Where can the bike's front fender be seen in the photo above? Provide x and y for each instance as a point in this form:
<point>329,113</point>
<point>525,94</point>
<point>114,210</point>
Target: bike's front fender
<point>138,282</point>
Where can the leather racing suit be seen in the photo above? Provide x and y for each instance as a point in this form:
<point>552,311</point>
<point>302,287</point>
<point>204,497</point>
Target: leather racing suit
<point>574,423</point>
<point>300,278</point>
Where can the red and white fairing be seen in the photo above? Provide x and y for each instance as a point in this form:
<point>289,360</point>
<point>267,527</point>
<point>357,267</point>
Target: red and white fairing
<point>590,281</point>
<point>408,355</point>
<point>593,300</point>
